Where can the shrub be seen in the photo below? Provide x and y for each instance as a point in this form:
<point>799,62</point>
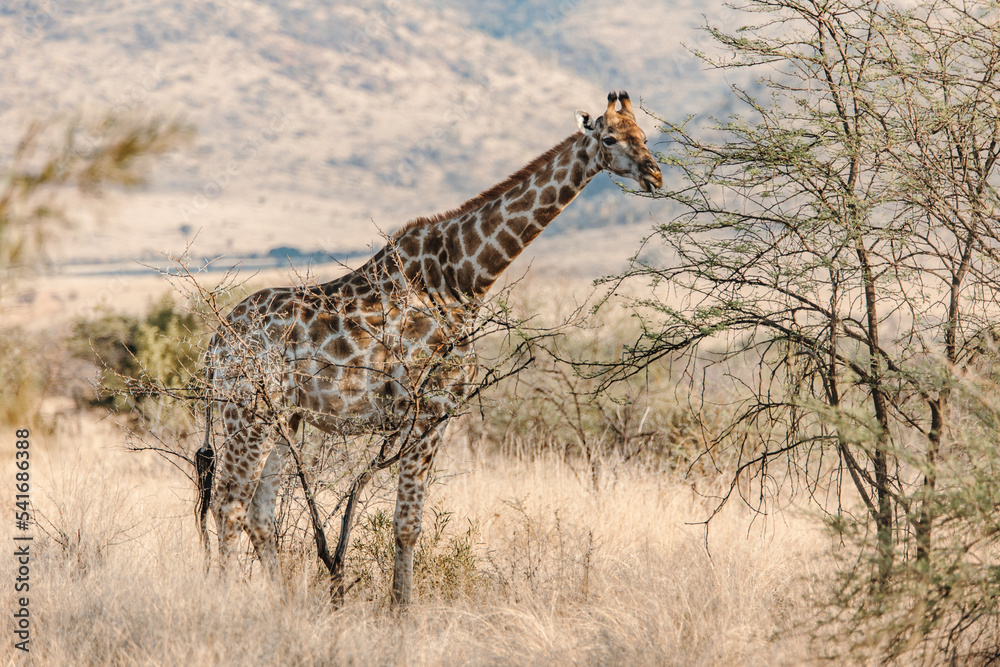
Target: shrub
<point>26,374</point>
<point>556,405</point>
<point>445,563</point>
<point>140,357</point>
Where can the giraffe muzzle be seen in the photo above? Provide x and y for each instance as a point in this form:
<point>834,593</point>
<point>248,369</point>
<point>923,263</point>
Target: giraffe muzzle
<point>651,178</point>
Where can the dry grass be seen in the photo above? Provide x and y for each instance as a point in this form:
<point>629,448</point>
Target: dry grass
<point>563,575</point>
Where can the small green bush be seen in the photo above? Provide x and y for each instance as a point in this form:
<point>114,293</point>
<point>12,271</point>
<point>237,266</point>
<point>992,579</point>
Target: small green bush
<point>445,563</point>
<point>140,357</point>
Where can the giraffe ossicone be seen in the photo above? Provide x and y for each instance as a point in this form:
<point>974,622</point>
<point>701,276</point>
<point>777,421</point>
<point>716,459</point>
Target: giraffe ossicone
<point>384,348</point>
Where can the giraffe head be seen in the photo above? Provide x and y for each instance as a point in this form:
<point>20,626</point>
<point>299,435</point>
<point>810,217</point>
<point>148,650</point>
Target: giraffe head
<point>621,143</point>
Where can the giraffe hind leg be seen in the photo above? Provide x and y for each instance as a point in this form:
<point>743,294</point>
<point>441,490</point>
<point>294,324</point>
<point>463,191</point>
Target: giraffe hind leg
<point>240,468</point>
<point>260,520</point>
<point>230,519</point>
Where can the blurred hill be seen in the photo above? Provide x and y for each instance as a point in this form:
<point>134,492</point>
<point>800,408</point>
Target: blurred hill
<point>321,122</point>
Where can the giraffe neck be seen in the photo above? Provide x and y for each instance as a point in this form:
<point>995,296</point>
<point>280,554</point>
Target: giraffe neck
<point>463,252</point>
<point>460,253</point>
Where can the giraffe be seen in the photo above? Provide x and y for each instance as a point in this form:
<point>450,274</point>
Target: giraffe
<point>384,349</point>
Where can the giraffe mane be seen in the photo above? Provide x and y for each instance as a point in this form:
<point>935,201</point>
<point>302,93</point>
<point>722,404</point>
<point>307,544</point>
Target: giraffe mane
<point>497,190</point>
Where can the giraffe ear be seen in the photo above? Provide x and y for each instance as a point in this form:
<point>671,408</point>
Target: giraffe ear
<point>584,121</point>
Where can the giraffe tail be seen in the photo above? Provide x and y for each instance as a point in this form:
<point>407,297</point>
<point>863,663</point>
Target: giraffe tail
<point>204,460</point>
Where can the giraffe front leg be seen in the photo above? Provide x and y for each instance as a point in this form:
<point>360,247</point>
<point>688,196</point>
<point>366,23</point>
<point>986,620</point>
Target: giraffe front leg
<point>414,470</point>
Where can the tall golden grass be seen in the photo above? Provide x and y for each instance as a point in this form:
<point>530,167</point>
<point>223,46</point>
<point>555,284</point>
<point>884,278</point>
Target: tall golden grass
<point>563,573</point>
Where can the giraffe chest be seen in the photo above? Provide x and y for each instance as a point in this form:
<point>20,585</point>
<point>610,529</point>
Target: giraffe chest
<point>374,367</point>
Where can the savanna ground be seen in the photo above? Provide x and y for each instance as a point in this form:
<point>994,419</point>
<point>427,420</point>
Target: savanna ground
<point>524,559</point>
<point>557,574</point>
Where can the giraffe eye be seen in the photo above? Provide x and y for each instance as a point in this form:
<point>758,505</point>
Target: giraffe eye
<point>610,141</point>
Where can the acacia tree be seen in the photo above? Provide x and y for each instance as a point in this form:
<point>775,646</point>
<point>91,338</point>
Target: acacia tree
<point>89,156</point>
<point>841,238</point>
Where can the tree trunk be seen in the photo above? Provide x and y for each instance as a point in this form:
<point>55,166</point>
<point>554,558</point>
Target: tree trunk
<point>880,456</point>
